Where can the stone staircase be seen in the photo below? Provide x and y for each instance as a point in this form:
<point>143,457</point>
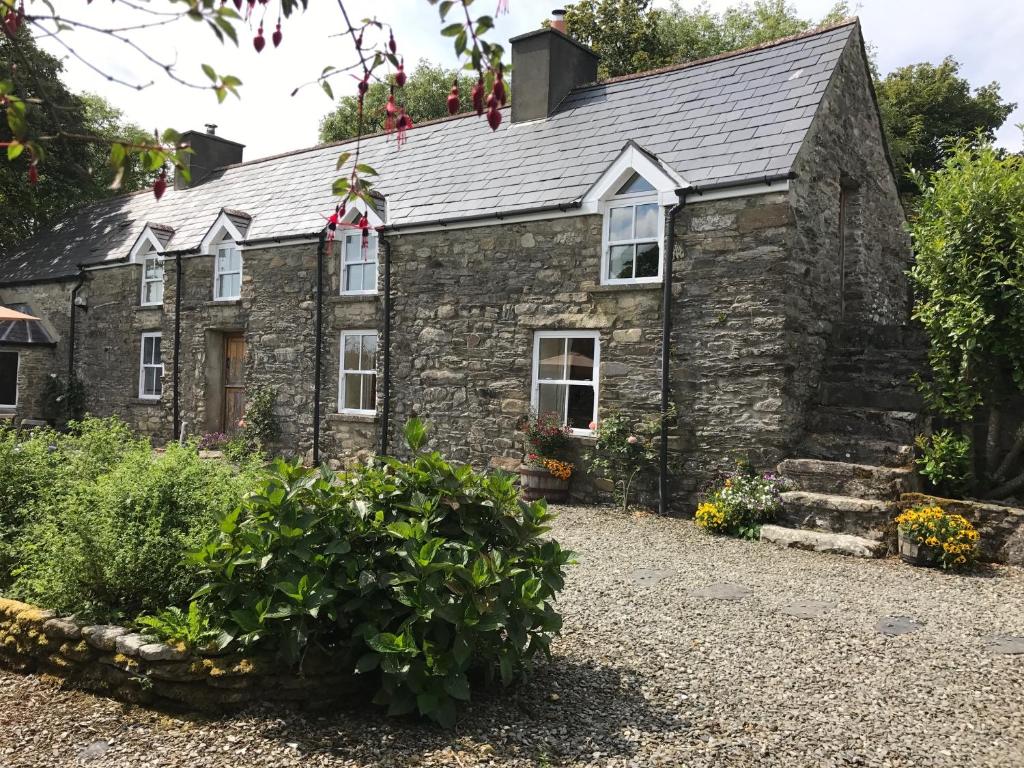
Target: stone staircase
<point>856,457</point>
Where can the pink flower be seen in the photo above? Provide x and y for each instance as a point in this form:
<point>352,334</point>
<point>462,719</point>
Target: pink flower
<point>631,440</point>
<point>241,423</point>
<point>592,425</point>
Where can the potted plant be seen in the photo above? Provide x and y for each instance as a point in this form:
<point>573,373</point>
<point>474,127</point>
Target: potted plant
<point>545,473</point>
<point>930,537</point>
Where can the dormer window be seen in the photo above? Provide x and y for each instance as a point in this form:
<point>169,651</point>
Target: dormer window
<point>359,263</point>
<point>227,272</point>
<point>632,233</point>
<point>152,279</point>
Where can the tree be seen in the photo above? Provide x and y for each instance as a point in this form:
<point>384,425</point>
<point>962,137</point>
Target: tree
<point>922,105</point>
<point>70,172</point>
<point>632,36</point>
<point>424,96</point>
<point>968,239</point>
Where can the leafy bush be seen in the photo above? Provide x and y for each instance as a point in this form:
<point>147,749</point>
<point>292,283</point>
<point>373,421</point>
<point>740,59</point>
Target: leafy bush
<point>745,500</point>
<point>259,425</point>
<point>952,537</point>
<point>420,573</point>
<point>624,451</point>
<point>190,628</point>
<point>110,542</point>
<point>946,461</point>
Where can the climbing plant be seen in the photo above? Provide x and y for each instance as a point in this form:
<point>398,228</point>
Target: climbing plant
<point>968,234</point>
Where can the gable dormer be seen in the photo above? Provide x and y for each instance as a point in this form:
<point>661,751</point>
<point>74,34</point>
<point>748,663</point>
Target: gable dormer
<point>222,241</point>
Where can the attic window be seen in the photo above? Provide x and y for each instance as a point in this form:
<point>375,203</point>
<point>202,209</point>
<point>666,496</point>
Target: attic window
<point>632,234</point>
<point>152,278</point>
<point>636,185</point>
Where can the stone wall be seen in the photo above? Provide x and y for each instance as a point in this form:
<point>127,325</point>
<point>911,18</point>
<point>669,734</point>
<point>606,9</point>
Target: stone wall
<point>134,668</point>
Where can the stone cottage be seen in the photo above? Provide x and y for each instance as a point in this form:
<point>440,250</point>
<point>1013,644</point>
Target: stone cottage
<point>745,203</point>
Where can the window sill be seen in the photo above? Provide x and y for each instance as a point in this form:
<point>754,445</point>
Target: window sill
<point>145,401</point>
<point>224,303</point>
<point>148,307</point>
<point>359,418</point>
<point>617,287</point>
<point>348,298</point>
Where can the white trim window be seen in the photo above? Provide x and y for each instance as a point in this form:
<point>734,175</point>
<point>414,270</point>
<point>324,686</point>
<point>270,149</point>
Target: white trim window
<point>227,272</point>
<point>152,279</point>
<point>9,362</point>
<point>357,373</point>
<point>566,377</point>
<point>358,264</point>
<point>632,234</point>
<point>151,368</point>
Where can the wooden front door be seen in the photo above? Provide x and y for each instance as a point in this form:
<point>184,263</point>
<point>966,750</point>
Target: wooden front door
<point>234,381</point>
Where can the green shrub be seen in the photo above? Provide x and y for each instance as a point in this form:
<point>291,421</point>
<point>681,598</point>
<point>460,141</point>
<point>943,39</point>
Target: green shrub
<point>190,628</point>
<point>624,452</point>
<point>419,573</point>
<point>112,543</point>
<point>744,501</point>
<point>945,461</point>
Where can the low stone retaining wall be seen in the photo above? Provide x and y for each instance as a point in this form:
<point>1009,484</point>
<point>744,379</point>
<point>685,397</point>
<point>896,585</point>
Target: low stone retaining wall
<point>135,668</point>
<point>1001,527</point>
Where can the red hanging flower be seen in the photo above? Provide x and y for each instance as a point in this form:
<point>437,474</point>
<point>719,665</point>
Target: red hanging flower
<point>276,38</point>
<point>400,77</point>
<point>259,42</point>
<point>477,96</point>
<point>499,86</point>
<point>160,185</point>
<point>33,173</point>
<point>403,125</point>
<point>453,98</point>
<point>390,113</point>
<point>502,7</point>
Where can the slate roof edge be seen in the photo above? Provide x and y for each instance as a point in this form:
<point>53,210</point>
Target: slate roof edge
<point>851,21</point>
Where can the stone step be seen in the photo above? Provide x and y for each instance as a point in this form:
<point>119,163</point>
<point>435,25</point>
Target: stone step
<point>871,423</point>
<point>864,395</point>
<point>822,541</point>
<point>841,478</point>
<point>835,513</point>
<point>838,447</point>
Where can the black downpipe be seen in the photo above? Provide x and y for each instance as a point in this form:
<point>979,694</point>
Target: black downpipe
<point>666,349</point>
<point>385,394</point>
<point>176,379</point>
<point>319,338</point>
<point>71,324</point>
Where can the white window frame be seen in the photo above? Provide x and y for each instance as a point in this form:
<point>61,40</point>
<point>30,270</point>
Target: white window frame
<point>151,255</point>
<point>143,366</point>
<point>374,258</point>
<point>342,370</point>
<point>596,383</point>
<point>224,244</point>
<point>17,373</point>
<point>630,202</point>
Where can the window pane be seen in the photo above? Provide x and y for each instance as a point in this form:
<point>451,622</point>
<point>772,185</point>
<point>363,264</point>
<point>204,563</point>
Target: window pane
<point>646,221</point>
<point>620,262</point>
<point>369,397</point>
<point>234,260</point>
<point>620,224</point>
<point>350,362</point>
<point>552,400</point>
<point>353,391</point>
<point>228,286</point>
<point>635,184</point>
<point>369,276</point>
<point>8,378</point>
<point>581,406</point>
<point>153,270</point>
<point>368,360</point>
<point>581,359</point>
<point>647,257</point>
<point>552,359</point>
<point>151,380</point>
<point>153,293</point>
<point>352,249</point>
<point>155,356</point>
<point>353,277</point>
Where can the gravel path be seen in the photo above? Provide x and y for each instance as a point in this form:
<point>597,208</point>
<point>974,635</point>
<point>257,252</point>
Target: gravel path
<point>649,673</point>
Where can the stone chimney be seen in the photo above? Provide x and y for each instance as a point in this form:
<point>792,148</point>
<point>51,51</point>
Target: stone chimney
<point>546,65</point>
<point>209,152</point>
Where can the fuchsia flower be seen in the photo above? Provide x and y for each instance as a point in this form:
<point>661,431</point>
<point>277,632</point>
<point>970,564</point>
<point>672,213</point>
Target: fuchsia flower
<point>592,425</point>
<point>632,440</point>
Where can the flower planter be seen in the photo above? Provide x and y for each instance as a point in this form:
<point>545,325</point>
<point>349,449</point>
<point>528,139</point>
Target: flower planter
<point>538,483</point>
<point>913,553</point>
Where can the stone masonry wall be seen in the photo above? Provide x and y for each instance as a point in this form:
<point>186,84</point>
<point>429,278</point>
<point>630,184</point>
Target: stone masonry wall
<point>138,669</point>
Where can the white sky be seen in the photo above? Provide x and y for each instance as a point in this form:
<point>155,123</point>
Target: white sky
<point>984,35</point>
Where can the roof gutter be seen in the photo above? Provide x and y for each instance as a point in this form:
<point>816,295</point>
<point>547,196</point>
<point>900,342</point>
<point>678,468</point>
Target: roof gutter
<point>499,216</point>
<point>281,239</point>
<point>767,180</point>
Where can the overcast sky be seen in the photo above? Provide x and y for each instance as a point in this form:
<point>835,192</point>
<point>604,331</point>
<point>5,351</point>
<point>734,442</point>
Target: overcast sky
<point>984,35</point>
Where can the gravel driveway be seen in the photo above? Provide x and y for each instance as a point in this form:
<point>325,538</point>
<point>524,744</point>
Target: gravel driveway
<point>651,671</point>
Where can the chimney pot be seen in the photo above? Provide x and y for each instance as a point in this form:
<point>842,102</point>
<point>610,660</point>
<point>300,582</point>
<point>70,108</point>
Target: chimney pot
<point>211,128</point>
<point>558,19</point>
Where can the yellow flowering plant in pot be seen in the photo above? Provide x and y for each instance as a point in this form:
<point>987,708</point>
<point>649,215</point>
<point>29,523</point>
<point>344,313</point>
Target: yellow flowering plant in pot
<point>929,536</point>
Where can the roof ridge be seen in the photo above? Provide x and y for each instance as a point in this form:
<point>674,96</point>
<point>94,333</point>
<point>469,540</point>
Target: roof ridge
<point>850,20</point>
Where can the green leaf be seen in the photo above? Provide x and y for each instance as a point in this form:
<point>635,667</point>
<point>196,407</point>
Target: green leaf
<point>454,29</point>
<point>367,663</point>
<point>14,149</point>
<point>457,686</point>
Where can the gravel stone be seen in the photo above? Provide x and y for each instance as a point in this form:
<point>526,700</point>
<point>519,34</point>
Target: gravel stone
<point>644,676</point>
<point>808,609</point>
<point>724,591</point>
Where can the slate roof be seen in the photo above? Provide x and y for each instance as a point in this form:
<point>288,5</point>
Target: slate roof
<point>735,117</point>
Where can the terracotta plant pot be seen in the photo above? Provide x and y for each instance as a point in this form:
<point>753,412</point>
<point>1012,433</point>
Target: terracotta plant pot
<point>538,483</point>
<point>913,553</point>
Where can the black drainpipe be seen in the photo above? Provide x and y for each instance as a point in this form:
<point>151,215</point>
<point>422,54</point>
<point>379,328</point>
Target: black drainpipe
<point>666,349</point>
<point>176,379</point>
<point>71,324</point>
<point>318,334</point>
<point>385,394</point>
